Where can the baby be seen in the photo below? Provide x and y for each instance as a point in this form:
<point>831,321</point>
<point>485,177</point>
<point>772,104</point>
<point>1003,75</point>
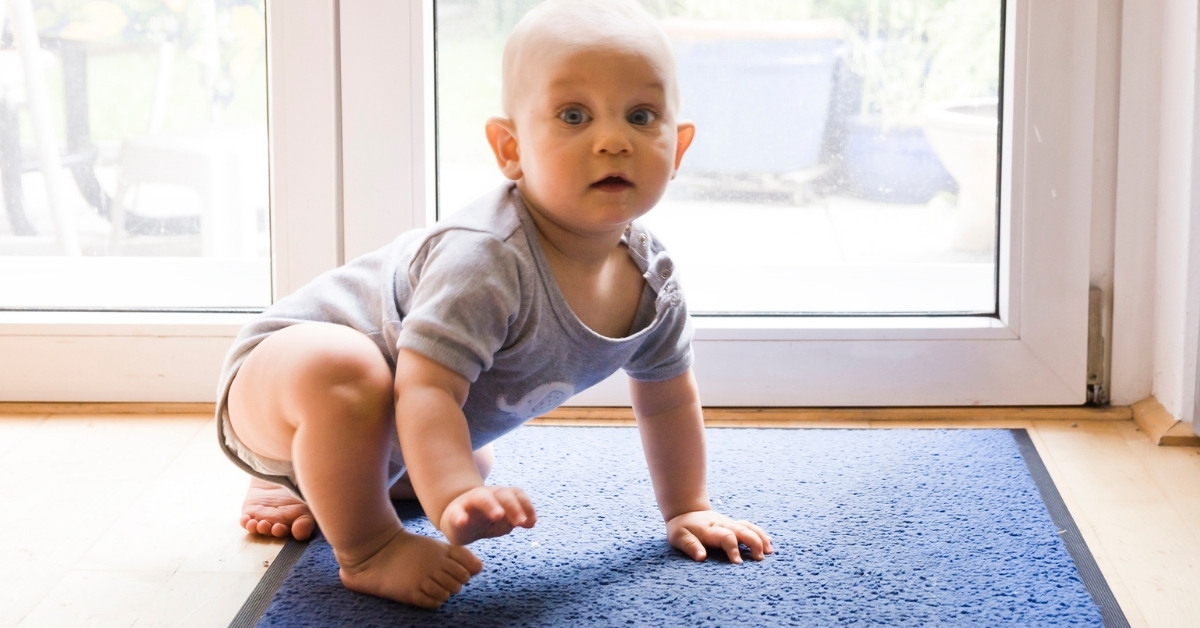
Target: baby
<point>389,377</point>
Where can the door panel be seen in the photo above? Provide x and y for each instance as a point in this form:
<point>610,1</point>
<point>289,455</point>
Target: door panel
<point>1032,350</point>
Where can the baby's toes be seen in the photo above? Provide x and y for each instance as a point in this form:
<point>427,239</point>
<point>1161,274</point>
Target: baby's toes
<point>262,526</point>
<point>302,527</point>
<point>280,522</point>
<point>433,595</point>
<point>448,582</point>
<point>250,524</point>
<point>466,561</point>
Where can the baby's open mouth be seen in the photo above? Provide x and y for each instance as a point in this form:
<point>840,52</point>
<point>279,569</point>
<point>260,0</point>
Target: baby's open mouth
<point>612,183</point>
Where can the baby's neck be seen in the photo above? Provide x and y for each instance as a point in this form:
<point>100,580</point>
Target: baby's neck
<point>603,292</point>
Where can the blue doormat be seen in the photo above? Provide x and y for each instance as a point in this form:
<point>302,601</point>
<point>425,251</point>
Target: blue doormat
<point>888,527</point>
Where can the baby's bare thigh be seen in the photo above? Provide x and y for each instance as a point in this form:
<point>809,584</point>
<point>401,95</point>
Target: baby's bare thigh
<point>288,378</point>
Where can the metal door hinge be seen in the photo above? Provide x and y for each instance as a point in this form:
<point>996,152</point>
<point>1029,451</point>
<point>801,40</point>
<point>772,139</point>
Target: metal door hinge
<point>1097,393</point>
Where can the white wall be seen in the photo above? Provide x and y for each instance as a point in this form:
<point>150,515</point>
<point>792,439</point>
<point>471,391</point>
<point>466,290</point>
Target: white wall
<point>1174,204</point>
<point>1192,318</point>
<point>1154,311</point>
<point>1132,367</point>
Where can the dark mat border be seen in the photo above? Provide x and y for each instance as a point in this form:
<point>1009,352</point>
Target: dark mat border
<point>256,605</point>
<point>1110,610</point>
<point>1085,563</point>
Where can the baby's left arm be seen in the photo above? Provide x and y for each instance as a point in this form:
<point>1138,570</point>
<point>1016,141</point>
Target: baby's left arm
<point>672,429</point>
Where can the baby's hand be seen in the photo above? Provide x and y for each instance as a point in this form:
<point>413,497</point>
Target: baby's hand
<point>485,512</point>
<point>692,531</point>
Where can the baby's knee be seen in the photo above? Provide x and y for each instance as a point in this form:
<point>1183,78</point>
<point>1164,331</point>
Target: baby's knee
<point>354,376</point>
<point>340,355</point>
<point>355,383</point>
<point>332,364</point>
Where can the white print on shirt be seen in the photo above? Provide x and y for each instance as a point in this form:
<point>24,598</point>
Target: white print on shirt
<point>538,401</point>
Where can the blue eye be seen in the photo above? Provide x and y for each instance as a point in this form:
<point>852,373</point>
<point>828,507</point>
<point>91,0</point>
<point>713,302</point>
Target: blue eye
<point>641,117</point>
<point>574,116</point>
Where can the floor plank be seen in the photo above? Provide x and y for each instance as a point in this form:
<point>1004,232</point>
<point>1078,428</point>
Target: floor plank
<point>1127,505</point>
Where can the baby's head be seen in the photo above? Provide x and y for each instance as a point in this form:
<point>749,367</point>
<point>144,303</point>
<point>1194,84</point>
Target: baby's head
<point>558,25</point>
<point>591,106</point>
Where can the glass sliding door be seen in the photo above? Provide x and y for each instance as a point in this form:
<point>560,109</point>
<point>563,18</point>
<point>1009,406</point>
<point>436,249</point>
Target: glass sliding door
<point>870,214</point>
<point>134,239</point>
<point>353,152</point>
<point>846,156</point>
<point>134,156</point>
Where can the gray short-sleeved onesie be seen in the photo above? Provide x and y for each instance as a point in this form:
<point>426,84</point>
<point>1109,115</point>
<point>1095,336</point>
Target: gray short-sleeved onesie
<point>475,294</point>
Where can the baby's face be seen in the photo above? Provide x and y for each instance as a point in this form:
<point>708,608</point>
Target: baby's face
<point>596,129</point>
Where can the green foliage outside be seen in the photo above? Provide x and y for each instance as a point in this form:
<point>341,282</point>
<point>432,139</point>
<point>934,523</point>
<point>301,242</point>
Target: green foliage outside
<point>218,73</point>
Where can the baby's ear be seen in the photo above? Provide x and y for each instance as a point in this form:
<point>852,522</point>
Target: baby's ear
<point>502,137</point>
<point>685,132</point>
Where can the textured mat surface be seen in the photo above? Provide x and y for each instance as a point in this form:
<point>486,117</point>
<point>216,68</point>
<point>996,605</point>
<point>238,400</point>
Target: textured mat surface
<point>871,527</point>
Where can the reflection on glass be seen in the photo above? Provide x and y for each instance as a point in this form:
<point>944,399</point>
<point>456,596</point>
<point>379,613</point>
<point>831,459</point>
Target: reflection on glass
<point>133,155</point>
<point>846,155</point>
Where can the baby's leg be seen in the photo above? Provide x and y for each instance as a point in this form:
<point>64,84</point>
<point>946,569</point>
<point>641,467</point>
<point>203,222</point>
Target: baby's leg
<point>320,396</point>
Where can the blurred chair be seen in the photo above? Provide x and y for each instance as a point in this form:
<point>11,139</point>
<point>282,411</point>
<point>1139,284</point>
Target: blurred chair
<point>224,168</point>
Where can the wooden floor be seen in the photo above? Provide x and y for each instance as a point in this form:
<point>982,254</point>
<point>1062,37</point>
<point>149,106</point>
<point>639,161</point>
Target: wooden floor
<point>130,519</point>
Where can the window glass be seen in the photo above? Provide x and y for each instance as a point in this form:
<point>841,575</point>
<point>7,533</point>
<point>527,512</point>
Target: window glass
<point>133,155</point>
<point>846,154</point>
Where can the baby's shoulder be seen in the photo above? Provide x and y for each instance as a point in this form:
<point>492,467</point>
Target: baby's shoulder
<point>488,229</point>
<point>494,214</point>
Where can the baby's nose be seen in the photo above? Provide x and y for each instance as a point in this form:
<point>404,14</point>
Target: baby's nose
<point>612,138</point>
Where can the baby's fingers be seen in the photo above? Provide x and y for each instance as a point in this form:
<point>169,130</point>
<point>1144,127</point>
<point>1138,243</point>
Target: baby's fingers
<point>729,535</point>
<point>725,538</point>
<point>517,507</point>
<point>688,543</point>
<point>485,503</point>
<point>753,537</point>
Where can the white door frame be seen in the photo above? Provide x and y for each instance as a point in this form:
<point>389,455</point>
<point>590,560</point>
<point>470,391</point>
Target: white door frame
<point>336,192</point>
<point>1034,353</point>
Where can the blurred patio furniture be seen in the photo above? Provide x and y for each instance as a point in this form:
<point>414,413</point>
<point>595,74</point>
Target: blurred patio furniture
<point>224,168</point>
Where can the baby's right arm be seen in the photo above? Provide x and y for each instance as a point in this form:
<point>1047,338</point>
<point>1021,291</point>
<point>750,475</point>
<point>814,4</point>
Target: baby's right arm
<point>437,452</point>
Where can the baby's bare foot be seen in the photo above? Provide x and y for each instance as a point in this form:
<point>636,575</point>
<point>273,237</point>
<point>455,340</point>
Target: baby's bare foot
<point>271,510</point>
<point>412,569</point>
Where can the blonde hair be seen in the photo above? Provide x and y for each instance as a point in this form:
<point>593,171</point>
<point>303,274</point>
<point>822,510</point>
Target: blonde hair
<point>583,20</point>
